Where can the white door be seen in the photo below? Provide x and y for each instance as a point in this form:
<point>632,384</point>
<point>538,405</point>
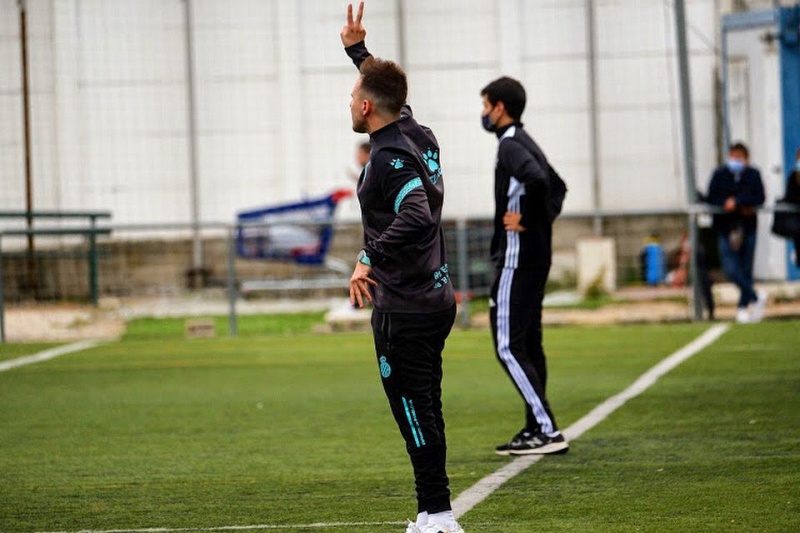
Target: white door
<point>755,118</point>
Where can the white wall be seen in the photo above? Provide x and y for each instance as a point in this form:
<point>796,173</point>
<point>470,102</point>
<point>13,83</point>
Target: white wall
<point>757,119</point>
<point>273,85</point>
<point>41,78</point>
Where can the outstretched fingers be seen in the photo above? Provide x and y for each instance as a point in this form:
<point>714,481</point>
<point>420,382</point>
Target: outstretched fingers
<point>360,13</point>
<point>353,31</point>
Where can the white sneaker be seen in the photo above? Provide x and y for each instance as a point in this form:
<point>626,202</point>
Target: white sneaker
<point>758,308</point>
<point>742,315</point>
<point>412,528</point>
<point>438,528</point>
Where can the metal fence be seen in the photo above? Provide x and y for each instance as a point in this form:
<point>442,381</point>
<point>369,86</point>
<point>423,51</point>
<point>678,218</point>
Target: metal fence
<point>92,261</point>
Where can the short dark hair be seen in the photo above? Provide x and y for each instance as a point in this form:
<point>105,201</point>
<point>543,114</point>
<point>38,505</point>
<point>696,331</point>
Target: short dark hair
<point>385,82</point>
<point>510,92</point>
<point>740,147</point>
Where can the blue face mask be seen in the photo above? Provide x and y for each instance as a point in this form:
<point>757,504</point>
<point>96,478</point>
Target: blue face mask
<point>487,123</point>
<point>797,165</point>
<point>735,165</point>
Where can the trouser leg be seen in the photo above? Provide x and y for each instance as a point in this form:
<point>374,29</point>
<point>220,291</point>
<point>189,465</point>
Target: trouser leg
<point>516,321</point>
<point>747,256</point>
<point>534,347</point>
<point>409,350</point>
<point>733,265</point>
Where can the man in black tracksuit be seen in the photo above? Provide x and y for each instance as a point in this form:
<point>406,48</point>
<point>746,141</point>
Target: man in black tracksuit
<point>402,269</point>
<point>522,253</point>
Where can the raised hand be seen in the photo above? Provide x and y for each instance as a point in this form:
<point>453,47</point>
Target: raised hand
<point>353,32</point>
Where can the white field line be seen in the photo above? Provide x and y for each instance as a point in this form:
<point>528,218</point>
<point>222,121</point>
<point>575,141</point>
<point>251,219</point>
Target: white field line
<point>483,488</point>
<point>239,528</point>
<point>47,354</point>
<point>486,486</point>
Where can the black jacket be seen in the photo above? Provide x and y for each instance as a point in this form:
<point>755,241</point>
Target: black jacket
<point>793,188</point>
<point>746,187</point>
<point>401,193</point>
<point>520,186</point>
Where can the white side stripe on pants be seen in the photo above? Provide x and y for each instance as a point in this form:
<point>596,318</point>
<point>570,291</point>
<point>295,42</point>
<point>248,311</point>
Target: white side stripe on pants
<point>504,351</point>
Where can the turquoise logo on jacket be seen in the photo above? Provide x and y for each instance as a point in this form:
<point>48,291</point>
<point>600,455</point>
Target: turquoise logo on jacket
<point>441,277</point>
<point>431,158</point>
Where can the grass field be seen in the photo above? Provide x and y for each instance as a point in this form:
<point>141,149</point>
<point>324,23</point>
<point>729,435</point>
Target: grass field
<point>292,428</point>
<point>12,351</point>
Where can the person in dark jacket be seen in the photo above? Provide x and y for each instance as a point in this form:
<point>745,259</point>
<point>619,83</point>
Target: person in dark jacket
<point>402,269</point>
<point>738,189</point>
<point>793,197</point>
<point>522,252</point>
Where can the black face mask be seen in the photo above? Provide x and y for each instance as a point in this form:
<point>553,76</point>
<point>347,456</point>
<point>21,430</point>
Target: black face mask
<point>487,123</point>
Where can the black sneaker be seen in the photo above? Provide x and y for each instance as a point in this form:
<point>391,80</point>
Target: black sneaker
<point>516,441</point>
<point>539,445</point>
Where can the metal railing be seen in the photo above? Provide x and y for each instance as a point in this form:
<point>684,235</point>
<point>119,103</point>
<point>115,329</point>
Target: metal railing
<point>468,240</point>
<point>91,232</point>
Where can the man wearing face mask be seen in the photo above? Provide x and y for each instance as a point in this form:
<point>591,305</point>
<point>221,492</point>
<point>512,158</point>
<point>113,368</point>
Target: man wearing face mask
<point>522,253</point>
<point>738,189</point>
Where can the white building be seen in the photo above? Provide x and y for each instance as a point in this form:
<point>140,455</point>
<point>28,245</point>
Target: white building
<point>109,99</point>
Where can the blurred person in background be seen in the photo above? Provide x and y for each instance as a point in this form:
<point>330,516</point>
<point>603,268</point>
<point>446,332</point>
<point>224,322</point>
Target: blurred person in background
<point>361,159</point>
<point>793,197</point>
<point>788,224</point>
<point>362,154</point>
<point>737,188</point>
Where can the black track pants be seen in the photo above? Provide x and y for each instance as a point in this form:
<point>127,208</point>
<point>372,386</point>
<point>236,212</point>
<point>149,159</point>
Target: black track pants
<point>409,350</point>
<point>516,319</point>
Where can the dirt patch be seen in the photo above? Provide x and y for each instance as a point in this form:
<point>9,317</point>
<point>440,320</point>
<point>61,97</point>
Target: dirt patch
<point>72,322</point>
<point>643,313</point>
<point>38,322</point>
<point>60,323</point>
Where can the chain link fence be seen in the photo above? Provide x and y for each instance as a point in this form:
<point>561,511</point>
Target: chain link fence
<point>130,264</point>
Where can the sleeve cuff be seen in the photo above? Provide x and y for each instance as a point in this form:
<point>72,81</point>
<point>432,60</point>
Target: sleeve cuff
<point>358,53</point>
<point>363,258</point>
<point>372,256</point>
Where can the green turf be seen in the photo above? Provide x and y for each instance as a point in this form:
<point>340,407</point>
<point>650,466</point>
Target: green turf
<point>247,326</point>
<point>714,446</point>
<point>292,429</point>
<point>13,351</point>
